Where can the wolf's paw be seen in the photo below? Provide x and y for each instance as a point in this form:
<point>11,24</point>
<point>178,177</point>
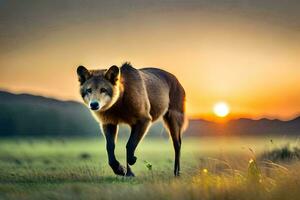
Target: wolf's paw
<point>129,173</point>
<point>118,168</point>
<point>131,160</point>
<point>176,173</point>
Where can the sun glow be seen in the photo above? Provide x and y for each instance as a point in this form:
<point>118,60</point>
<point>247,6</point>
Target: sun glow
<point>221,109</point>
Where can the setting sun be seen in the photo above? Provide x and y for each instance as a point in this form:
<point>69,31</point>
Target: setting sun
<point>221,109</point>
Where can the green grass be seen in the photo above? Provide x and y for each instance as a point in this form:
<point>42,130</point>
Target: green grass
<point>212,168</point>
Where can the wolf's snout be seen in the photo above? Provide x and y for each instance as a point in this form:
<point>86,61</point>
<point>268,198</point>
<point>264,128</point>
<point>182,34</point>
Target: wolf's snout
<point>94,105</point>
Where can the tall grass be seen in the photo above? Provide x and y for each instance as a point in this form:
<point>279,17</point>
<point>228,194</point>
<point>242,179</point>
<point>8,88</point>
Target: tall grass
<point>212,168</point>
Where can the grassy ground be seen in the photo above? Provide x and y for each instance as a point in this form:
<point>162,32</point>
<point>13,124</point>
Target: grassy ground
<point>212,168</point>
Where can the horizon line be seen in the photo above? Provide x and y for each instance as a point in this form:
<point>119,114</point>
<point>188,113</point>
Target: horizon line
<point>209,118</point>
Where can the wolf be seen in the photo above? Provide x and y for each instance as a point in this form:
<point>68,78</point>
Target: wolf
<point>136,97</point>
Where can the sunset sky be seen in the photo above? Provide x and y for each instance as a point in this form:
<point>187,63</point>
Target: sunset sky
<point>245,53</point>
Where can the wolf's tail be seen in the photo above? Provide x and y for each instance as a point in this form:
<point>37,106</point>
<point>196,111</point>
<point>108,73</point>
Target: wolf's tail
<point>185,119</point>
<point>185,123</point>
<point>177,103</point>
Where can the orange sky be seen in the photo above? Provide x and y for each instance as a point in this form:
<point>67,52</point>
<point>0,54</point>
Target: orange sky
<point>244,54</point>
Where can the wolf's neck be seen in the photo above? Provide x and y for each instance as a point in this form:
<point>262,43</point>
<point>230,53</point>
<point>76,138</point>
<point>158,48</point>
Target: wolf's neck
<point>119,101</point>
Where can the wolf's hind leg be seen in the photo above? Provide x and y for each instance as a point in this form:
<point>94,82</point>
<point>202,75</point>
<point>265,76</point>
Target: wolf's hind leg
<point>110,132</point>
<point>174,121</point>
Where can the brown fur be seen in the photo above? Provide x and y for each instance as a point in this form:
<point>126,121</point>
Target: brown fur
<point>143,96</point>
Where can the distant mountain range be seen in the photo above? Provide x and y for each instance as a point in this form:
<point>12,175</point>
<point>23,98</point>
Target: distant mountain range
<point>244,126</point>
<point>30,115</point>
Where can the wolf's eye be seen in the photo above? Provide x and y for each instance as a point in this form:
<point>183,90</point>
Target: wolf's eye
<point>89,90</point>
<point>103,90</point>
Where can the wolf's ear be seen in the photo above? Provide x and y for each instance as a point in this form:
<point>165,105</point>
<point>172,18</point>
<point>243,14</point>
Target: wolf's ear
<point>83,74</point>
<point>112,74</point>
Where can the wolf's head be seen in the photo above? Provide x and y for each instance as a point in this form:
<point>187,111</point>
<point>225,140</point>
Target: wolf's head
<point>99,88</point>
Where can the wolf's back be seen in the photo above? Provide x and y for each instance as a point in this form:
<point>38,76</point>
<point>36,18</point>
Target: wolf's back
<point>177,94</point>
<point>176,91</point>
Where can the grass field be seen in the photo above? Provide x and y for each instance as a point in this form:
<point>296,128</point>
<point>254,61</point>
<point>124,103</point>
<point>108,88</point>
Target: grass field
<point>212,168</point>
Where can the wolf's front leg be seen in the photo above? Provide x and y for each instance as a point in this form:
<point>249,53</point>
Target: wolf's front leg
<point>110,132</point>
<point>138,131</point>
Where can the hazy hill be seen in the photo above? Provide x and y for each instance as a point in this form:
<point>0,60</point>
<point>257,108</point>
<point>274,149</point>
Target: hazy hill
<point>29,115</point>
<point>24,114</point>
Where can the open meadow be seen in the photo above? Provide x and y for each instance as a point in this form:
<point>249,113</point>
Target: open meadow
<point>212,168</point>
